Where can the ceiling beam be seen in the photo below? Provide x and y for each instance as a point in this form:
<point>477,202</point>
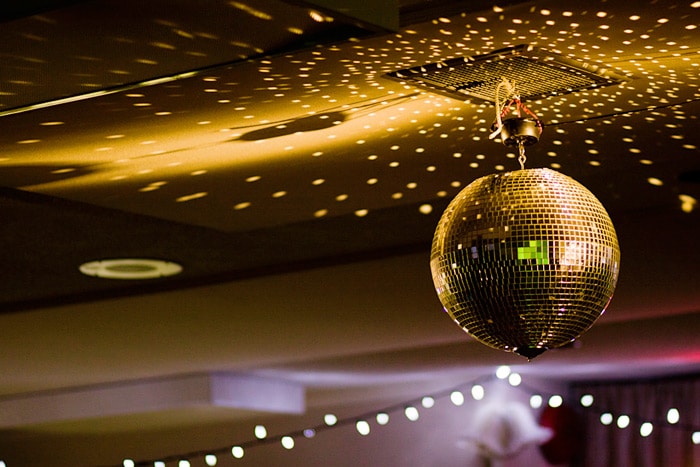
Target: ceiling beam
<point>223,390</point>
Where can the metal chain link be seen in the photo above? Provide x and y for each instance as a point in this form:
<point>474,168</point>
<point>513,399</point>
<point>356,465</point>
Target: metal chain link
<point>521,158</point>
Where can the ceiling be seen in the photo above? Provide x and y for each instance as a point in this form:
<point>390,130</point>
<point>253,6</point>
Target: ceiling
<point>260,146</point>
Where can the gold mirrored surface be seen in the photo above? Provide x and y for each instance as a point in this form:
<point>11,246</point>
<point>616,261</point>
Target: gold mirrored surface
<point>525,261</point>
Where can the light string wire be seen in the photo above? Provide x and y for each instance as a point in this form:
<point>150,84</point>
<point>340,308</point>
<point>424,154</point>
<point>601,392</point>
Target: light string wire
<point>596,411</point>
<point>315,429</point>
<point>689,427</point>
<point>311,431</point>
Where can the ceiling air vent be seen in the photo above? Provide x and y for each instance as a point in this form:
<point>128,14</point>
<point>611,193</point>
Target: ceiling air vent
<point>536,73</point>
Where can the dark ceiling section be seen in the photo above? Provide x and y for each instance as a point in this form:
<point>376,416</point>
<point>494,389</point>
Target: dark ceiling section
<point>88,47</point>
<point>46,240</point>
<point>61,51</point>
<point>14,10</point>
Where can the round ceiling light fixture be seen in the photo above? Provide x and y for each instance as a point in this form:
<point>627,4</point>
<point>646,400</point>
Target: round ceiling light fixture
<point>130,268</point>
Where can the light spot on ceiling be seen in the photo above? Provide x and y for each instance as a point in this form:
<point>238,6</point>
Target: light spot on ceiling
<point>383,144</point>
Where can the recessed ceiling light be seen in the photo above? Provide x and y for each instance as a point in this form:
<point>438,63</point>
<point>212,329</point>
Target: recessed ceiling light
<point>130,268</point>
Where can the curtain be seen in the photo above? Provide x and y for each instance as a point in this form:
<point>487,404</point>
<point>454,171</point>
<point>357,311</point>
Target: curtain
<point>668,445</point>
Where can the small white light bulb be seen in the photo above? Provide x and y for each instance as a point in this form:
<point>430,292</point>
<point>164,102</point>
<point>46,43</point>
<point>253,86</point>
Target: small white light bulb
<point>514,379</point>
<point>411,413</point>
<point>586,400</point>
<point>502,372</point>
<point>237,452</point>
<point>555,401</point>
<point>478,392</point>
<point>457,398</point>
<point>427,402</point>
<point>623,421</point>
<point>673,416</point>
<point>260,432</point>
<point>362,427</point>
<point>330,419</point>
<point>695,437</point>
<point>287,442</point>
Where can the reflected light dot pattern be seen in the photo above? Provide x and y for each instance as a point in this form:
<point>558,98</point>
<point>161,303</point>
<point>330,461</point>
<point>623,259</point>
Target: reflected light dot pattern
<point>290,108</point>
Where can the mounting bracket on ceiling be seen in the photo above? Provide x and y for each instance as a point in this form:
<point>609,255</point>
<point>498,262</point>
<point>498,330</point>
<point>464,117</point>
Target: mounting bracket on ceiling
<point>520,132</point>
<point>537,72</point>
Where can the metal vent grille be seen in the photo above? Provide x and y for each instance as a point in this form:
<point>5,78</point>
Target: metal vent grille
<point>536,73</point>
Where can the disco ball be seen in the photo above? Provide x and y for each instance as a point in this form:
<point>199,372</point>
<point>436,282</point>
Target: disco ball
<point>525,261</point>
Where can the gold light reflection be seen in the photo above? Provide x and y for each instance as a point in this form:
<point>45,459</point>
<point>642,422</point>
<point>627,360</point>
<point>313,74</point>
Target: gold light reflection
<point>392,144</point>
<point>193,196</point>
<point>251,11</point>
<point>688,203</point>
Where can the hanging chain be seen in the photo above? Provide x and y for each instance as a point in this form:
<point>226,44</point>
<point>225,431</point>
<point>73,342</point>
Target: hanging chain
<point>521,157</point>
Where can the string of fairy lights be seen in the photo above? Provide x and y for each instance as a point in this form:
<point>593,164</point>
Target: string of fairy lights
<point>363,422</point>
